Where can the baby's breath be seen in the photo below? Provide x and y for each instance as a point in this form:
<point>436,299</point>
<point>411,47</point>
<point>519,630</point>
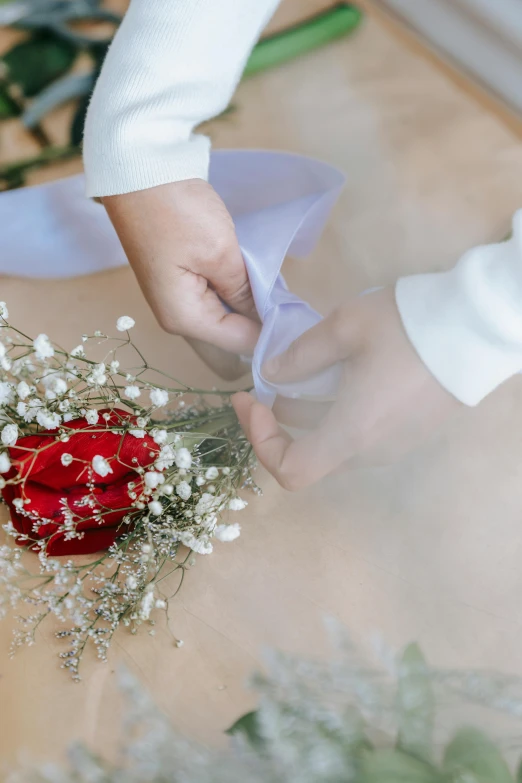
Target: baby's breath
<point>196,459</point>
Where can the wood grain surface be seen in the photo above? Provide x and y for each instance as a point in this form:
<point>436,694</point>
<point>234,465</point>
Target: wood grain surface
<point>427,549</point>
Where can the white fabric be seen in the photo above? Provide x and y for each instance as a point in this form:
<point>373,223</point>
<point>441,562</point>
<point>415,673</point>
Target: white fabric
<point>172,65</point>
<point>279,203</point>
<point>175,63</point>
<point>466,324</point>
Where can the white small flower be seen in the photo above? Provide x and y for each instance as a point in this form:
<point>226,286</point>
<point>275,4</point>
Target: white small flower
<point>227,532</point>
<point>159,436</point>
<point>205,503</point>
<point>101,466</point>
<point>6,363</point>
<point>9,435</point>
<point>211,474</point>
<point>137,433</point>
<point>60,386</point>
<point>155,507</point>
<point>97,376</point>
<point>124,323</point>
<point>131,582</point>
<point>166,457</point>
<point>48,420</point>
<point>92,416</point>
<point>237,504</point>
<point>183,490</point>
<point>18,503</point>
<point>42,347</point>
<point>6,393</point>
<point>21,408</point>
<point>146,605</point>
<point>142,421</point>
<point>69,417</point>
<point>55,386</point>
<point>202,546</point>
<point>160,604</point>
<point>132,392</point>
<point>183,458</point>
<point>23,390</point>
<point>5,462</point>
<point>4,312</point>
<point>159,397</point>
<point>153,479</point>
<point>78,351</point>
<point>66,459</point>
<point>167,489</point>
<point>114,365</point>
<point>200,480</point>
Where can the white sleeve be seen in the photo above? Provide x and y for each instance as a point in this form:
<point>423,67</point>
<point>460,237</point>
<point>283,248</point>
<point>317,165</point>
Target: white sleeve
<point>466,324</point>
<point>172,65</point>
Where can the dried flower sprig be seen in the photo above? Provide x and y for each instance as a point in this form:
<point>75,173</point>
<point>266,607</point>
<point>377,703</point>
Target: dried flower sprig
<point>96,457</point>
<point>326,722</point>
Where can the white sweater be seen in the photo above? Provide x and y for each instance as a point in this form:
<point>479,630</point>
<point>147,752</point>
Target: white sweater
<point>174,64</point>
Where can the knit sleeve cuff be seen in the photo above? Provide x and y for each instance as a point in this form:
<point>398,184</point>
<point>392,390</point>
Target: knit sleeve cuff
<point>466,324</point>
<point>125,168</point>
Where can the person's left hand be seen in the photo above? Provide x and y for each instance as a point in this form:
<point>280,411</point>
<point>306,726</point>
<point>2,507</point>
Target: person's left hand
<point>387,404</point>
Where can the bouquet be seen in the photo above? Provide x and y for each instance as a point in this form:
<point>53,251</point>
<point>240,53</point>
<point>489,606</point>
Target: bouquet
<point>126,463</point>
<point>324,722</point>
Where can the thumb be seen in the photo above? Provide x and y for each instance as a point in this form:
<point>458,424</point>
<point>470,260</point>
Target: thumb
<point>325,344</point>
<point>229,278</point>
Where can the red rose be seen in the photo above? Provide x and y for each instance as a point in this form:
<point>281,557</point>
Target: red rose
<point>37,459</point>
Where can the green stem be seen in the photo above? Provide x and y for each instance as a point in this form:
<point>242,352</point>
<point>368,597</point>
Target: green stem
<point>304,37</point>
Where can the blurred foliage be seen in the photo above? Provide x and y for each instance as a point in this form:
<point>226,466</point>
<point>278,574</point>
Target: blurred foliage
<point>39,74</point>
<point>341,721</point>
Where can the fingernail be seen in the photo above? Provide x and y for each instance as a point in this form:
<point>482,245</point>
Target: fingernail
<point>272,367</point>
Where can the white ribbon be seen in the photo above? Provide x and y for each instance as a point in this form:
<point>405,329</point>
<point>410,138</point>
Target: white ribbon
<point>279,203</point>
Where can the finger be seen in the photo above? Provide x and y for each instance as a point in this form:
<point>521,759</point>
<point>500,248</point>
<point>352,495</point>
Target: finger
<point>229,278</point>
<point>227,365</point>
<point>295,464</point>
<point>316,349</point>
<point>200,314</point>
<point>302,414</point>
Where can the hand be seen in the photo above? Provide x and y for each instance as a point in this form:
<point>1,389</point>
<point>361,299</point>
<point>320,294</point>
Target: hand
<point>387,404</point>
<point>180,241</point>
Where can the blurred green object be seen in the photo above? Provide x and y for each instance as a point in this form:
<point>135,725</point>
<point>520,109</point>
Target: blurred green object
<point>35,63</point>
<point>276,49</point>
<point>39,68</point>
<point>8,107</point>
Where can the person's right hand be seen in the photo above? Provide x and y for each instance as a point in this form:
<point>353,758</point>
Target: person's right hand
<point>181,243</point>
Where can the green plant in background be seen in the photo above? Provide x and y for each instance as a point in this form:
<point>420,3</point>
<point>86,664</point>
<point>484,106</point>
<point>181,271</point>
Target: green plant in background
<point>36,77</point>
<point>337,722</point>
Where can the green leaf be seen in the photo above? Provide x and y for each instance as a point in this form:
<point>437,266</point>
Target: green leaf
<point>475,758</point>
<point>416,705</point>
<point>35,63</point>
<point>394,766</point>
<point>8,107</point>
<point>320,29</point>
<point>248,726</point>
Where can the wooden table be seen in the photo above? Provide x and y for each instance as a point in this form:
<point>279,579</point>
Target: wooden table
<point>427,549</point>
